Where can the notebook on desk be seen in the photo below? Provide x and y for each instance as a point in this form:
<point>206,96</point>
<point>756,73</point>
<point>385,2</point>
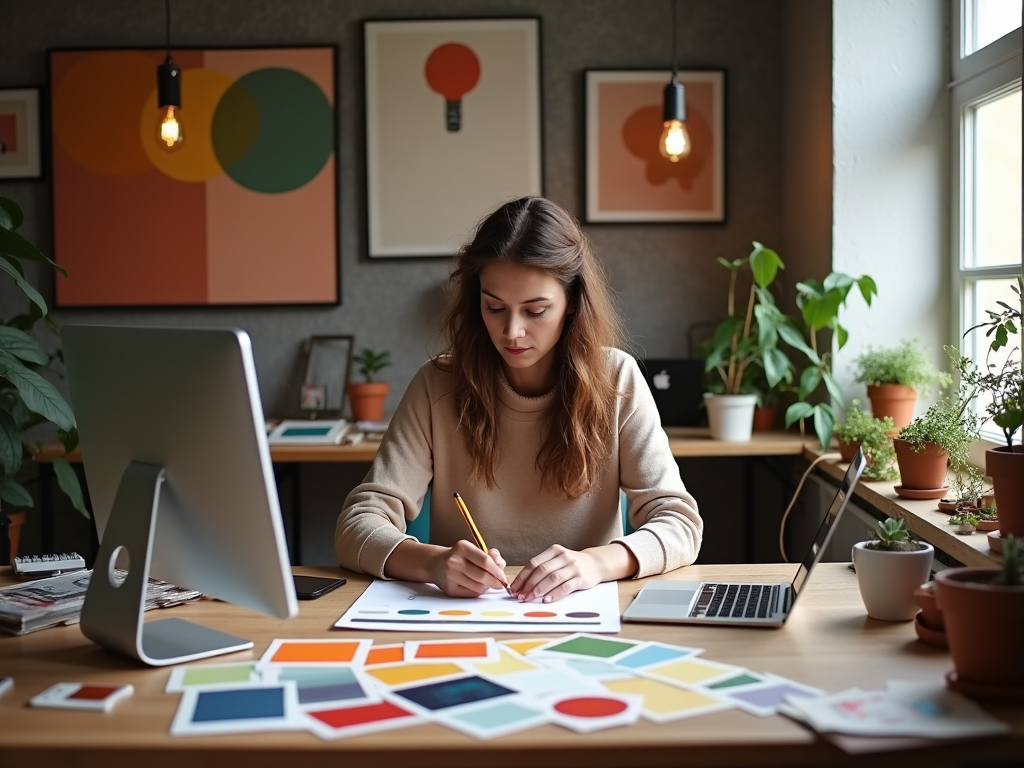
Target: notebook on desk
<point>678,388</point>
<point>753,604</point>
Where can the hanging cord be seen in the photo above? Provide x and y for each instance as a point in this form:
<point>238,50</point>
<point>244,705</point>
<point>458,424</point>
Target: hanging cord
<point>167,9</point>
<point>675,68</point>
<point>782,525</point>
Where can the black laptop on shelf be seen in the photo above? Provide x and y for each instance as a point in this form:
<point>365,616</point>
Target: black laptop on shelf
<point>677,384</point>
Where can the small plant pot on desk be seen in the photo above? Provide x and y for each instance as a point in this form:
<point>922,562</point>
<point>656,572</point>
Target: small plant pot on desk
<point>888,579</point>
<point>367,400</point>
<point>893,400</point>
<point>922,473</point>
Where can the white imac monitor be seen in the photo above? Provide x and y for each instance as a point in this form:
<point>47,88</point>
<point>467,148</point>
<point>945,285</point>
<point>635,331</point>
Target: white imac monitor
<point>178,468</point>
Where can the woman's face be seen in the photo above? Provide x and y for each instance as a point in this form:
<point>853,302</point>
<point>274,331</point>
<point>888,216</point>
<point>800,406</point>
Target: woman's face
<point>524,309</point>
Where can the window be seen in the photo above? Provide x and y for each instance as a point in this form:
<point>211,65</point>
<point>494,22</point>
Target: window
<point>986,113</point>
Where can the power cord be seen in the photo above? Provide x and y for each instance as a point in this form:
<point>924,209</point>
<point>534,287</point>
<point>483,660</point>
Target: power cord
<point>796,493</point>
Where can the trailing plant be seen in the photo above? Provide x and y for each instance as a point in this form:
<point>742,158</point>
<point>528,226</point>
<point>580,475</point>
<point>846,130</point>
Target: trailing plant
<point>372,362</point>
<point>964,516</point>
<point>873,436</point>
<point>892,536</point>
<point>819,305</point>
<point>967,484</point>
<point>27,398</point>
<point>749,337</point>
<point>905,364</point>
<point>1012,574</point>
<point>948,423</point>
<point>1002,383</point>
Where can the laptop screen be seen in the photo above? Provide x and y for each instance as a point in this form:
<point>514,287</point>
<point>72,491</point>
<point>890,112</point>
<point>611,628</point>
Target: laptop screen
<point>827,526</point>
<point>677,385</point>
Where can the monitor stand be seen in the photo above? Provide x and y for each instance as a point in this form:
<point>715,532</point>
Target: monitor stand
<point>113,612</point>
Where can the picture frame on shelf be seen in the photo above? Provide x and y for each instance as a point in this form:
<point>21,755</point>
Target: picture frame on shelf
<point>627,178</point>
<point>328,367</point>
<point>243,214</point>
<point>453,128</point>
<point>20,134</point>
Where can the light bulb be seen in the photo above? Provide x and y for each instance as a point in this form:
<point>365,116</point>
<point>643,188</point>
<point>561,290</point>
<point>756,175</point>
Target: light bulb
<point>675,140</point>
<point>170,134</point>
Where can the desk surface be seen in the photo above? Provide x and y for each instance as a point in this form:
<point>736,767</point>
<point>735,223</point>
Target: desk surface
<point>684,441</point>
<point>829,643</point>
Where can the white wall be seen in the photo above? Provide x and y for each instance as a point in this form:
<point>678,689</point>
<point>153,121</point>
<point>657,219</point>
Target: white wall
<point>890,203</point>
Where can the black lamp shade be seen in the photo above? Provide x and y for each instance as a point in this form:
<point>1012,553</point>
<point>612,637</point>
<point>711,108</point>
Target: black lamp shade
<point>168,84</point>
<point>675,101</point>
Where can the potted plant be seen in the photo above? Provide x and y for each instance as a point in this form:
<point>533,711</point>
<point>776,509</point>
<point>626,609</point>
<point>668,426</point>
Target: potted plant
<point>890,567</point>
<point>819,304</point>
<point>965,487</point>
<point>896,377</point>
<point>1002,386</point>
<point>965,519</point>
<point>743,339</point>
<point>367,398</point>
<point>983,613</point>
<point>864,431</point>
<point>28,400</point>
<point>939,438</point>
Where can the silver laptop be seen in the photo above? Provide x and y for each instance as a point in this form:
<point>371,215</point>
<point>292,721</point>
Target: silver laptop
<point>753,604</point>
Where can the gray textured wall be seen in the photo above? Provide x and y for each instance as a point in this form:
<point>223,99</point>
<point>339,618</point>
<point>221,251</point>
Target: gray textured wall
<point>666,274</point>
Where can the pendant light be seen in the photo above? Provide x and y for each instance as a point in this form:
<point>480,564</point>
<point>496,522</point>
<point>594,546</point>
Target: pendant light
<point>675,139</point>
<point>170,133</point>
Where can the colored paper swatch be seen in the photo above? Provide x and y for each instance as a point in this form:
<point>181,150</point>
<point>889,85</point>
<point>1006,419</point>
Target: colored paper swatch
<point>525,646</point>
<point>316,652</point>
<point>663,703</point>
<point>693,671</point>
<point>453,693</point>
<point>327,685</point>
<point>85,696</point>
<point>493,719</point>
<point>508,663</point>
<point>247,709</point>
<point>654,653</point>
<point>385,654</point>
<point>744,678</point>
<point>476,650</point>
<point>411,673</point>
<point>210,675</point>
<point>355,721</point>
<point>588,645</point>
<point>585,713</point>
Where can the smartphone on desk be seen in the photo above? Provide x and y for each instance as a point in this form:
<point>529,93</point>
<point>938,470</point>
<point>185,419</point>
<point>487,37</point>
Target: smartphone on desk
<point>312,587</point>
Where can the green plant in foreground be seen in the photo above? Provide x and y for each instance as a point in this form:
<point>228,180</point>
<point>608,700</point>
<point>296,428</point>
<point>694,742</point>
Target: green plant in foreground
<point>948,423</point>
<point>892,535</point>
<point>371,362</point>
<point>27,399</point>
<point>1012,574</point>
<point>873,436</point>
<point>905,364</point>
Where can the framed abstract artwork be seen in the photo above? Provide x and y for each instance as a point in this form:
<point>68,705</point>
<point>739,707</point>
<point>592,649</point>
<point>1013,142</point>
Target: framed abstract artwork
<point>20,156</point>
<point>453,128</point>
<point>244,213</point>
<point>628,180</point>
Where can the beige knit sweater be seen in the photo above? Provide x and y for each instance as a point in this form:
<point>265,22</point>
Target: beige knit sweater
<point>519,517</point>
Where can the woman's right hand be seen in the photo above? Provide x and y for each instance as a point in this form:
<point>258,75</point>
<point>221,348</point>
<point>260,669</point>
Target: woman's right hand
<point>465,570</point>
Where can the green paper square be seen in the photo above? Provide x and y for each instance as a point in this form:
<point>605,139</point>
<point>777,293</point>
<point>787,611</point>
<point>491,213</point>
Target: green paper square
<point>236,673</point>
<point>591,646</point>
<point>743,679</point>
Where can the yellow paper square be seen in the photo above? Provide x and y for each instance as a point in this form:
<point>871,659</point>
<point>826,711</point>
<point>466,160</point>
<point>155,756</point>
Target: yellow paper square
<point>508,663</point>
<point>410,673</point>
<point>661,698</point>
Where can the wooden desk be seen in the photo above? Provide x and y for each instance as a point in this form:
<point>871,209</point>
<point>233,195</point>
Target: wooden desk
<point>685,442</point>
<point>829,643</point>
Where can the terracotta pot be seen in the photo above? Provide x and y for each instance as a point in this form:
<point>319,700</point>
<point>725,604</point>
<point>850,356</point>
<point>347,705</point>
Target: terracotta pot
<point>988,525</point>
<point>764,418</point>
<point>1006,468</point>
<point>15,520</point>
<point>893,400</point>
<point>930,612</point>
<point>367,400</point>
<point>984,625</point>
<point>921,470</point>
<point>848,450</point>
<point>887,580</point>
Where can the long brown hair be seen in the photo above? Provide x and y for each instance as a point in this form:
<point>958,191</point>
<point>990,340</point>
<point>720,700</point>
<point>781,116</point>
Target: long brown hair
<point>534,232</point>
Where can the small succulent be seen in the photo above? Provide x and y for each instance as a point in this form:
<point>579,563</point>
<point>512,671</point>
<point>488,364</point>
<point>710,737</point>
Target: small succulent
<point>371,362</point>
<point>1012,574</point>
<point>892,536</point>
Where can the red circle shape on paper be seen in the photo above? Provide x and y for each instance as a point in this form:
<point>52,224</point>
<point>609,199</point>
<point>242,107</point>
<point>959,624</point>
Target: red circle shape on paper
<point>590,706</point>
<point>452,70</point>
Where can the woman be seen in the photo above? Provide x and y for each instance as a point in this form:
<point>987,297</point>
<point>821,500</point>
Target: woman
<point>537,420</point>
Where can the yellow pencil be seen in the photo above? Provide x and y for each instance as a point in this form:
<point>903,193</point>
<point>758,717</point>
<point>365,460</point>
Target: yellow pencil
<point>477,536</point>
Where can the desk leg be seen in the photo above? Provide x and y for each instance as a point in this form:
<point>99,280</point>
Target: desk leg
<point>46,478</point>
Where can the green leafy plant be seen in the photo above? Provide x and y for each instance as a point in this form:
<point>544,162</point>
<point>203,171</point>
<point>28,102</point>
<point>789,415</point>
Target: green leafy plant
<point>371,362</point>
<point>27,398</point>
<point>905,364</point>
<point>892,536</point>
<point>873,436</point>
<point>1012,574</point>
<point>950,424</point>
<point>967,484</point>
<point>751,337</point>
<point>1003,384</point>
<point>964,514</point>
<point>819,304</point>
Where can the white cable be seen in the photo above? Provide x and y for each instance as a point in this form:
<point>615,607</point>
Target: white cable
<point>782,525</point>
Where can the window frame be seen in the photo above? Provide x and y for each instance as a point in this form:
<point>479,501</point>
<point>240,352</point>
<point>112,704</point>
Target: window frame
<point>976,79</point>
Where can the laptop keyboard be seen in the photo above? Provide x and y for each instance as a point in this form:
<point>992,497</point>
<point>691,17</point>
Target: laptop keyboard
<point>738,601</point>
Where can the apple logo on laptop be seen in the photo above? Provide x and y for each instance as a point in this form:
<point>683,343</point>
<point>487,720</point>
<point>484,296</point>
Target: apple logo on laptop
<point>661,380</point>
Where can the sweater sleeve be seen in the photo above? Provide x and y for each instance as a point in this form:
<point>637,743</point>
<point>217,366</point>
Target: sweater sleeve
<point>373,519</point>
<point>668,527</point>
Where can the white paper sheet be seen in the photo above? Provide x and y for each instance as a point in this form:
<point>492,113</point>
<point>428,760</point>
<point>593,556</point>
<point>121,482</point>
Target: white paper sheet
<point>408,606</point>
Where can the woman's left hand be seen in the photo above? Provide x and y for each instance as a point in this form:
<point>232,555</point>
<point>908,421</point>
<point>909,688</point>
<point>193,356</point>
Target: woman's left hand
<point>555,573</point>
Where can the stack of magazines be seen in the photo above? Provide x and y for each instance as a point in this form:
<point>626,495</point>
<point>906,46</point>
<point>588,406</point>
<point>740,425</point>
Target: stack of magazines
<point>57,600</point>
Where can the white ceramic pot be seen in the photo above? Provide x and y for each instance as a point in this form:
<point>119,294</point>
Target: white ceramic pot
<point>731,417</point>
<point>887,580</point>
